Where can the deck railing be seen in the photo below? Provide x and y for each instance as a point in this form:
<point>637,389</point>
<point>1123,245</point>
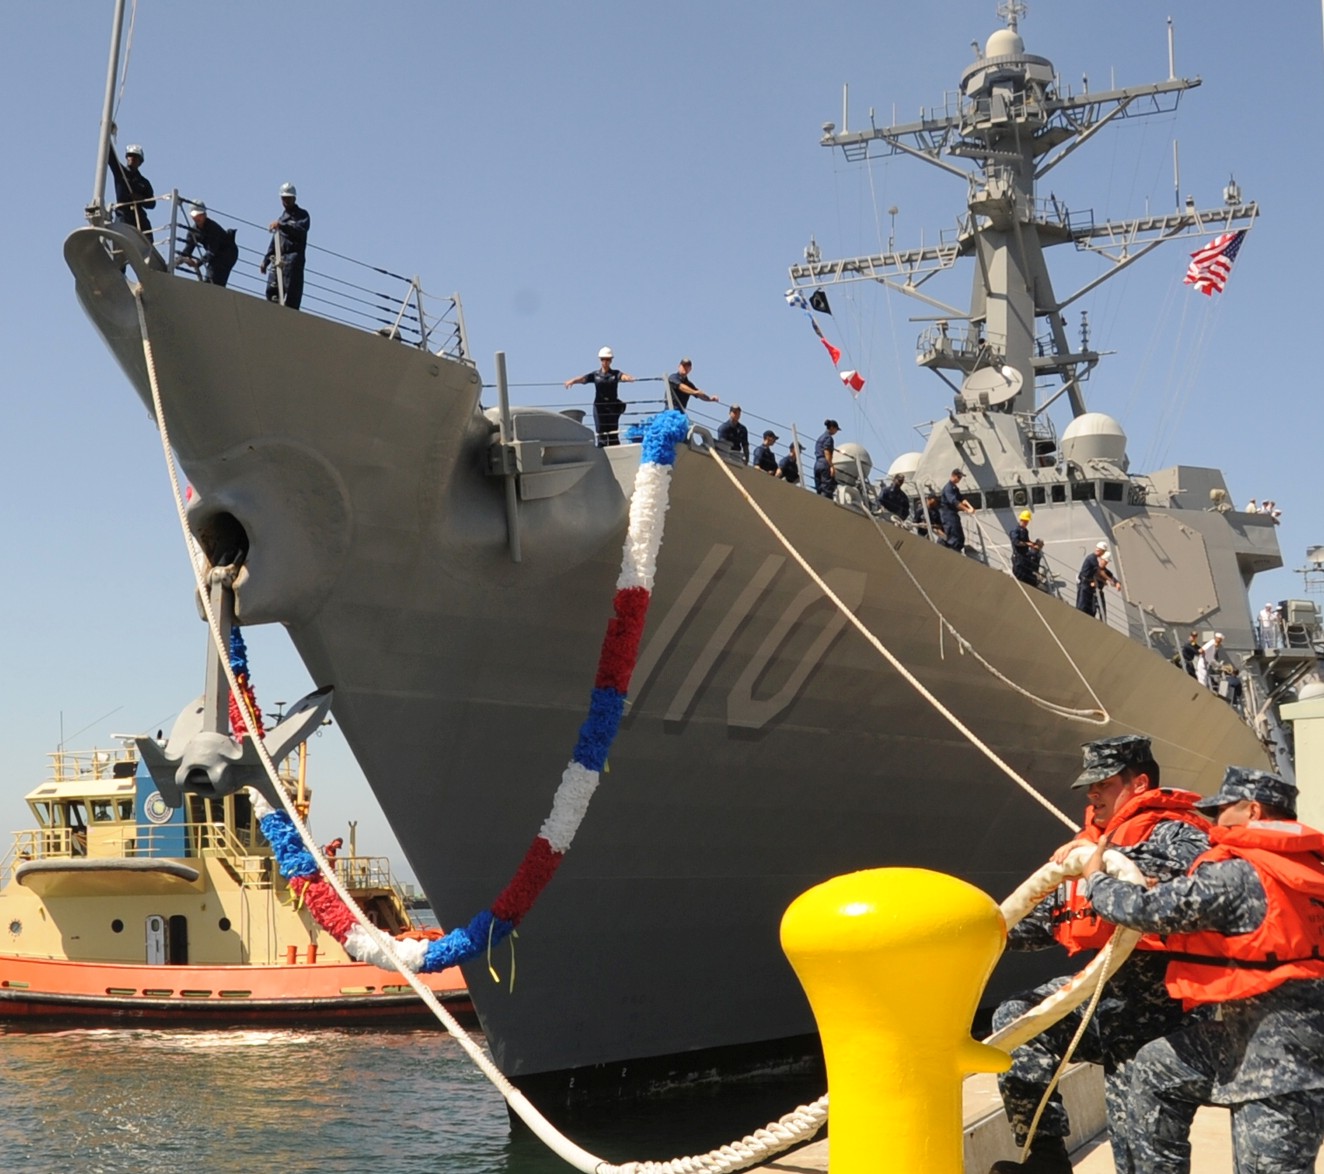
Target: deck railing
<point>338,287</point>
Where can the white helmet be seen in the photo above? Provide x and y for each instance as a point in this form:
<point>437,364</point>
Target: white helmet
<point>134,149</point>
<point>287,189</point>
<point>605,353</point>
<point>199,208</point>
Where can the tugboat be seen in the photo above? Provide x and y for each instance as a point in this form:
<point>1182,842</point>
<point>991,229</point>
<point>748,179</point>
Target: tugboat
<point>447,567</point>
<point>117,909</point>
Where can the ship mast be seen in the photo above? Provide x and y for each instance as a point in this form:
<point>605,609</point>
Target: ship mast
<point>1008,127</point>
<point>96,210</point>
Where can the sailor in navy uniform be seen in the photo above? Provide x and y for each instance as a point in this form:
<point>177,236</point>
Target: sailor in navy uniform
<point>219,251</point>
<point>825,473</point>
<point>764,458</point>
<point>607,402</point>
<point>292,227</point>
<point>681,390</point>
<point>1244,932</point>
<point>1163,836</point>
<point>951,506</point>
<point>133,190</point>
<point>789,466</point>
<point>894,500</point>
<point>1022,550</point>
<point>735,434</point>
<point>1087,581</point>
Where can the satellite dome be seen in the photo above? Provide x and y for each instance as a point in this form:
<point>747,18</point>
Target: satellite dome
<point>847,458</point>
<point>1005,43</point>
<point>1095,437</point>
<point>906,464</point>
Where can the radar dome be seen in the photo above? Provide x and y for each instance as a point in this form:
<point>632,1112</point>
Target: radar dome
<point>906,464</point>
<point>852,459</point>
<point>1095,437</point>
<point>1005,43</point>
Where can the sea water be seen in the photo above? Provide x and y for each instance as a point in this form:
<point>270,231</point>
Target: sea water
<point>234,1102</point>
<point>144,1102</point>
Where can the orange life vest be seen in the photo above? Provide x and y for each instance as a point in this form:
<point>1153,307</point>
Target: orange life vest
<point>1075,924</point>
<point>1210,967</point>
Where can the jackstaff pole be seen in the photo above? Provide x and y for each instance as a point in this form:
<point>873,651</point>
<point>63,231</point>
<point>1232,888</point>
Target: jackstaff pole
<point>96,210</point>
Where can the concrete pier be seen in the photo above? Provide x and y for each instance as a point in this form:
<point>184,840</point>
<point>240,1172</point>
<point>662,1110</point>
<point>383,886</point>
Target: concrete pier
<point>987,1138</point>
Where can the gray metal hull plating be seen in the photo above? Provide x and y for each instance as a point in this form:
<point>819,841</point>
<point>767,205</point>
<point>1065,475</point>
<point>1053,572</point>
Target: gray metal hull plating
<point>767,746</point>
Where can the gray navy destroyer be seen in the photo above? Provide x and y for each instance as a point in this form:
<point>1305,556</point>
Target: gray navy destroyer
<point>447,567</point>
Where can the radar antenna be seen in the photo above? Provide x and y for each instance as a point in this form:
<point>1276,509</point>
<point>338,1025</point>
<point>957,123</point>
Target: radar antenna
<point>1312,574</point>
<point>1012,10</point>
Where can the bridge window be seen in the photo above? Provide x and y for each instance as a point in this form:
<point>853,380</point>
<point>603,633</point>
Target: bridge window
<point>1112,491</point>
<point>1082,491</point>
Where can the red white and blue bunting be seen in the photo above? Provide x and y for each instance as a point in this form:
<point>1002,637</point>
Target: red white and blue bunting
<point>620,652</point>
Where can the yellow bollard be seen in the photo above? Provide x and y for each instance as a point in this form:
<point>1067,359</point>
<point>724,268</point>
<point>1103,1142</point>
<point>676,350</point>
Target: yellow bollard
<point>893,961</point>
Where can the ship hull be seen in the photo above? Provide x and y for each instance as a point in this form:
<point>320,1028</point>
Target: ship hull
<point>36,992</point>
<point>767,745</point>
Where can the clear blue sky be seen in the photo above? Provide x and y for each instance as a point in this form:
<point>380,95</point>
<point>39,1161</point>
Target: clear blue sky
<point>638,175</point>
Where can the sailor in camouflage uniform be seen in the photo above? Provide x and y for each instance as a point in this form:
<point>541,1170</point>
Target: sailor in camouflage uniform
<point>1246,931</point>
<point>1159,830</point>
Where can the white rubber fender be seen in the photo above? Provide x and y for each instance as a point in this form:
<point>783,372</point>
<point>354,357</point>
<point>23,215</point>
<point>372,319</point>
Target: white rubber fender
<point>1102,967</point>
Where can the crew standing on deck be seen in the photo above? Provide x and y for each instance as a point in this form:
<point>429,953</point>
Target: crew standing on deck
<point>1244,931</point>
<point>1191,655</point>
<point>1093,575</point>
<point>735,434</point>
<point>291,227</point>
<point>928,518</point>
<point>681,389</point>
<point>133,190</point>
<point>1022,550</point>
<point>894,499</point>
<point>789,465</point>
<point>607,402</point>
<point>1209,667</point>
<point>825,470</point>
<point>951,506</point>
<point>219,251</point>
<point>764,458</point>
<point>1162,834</point>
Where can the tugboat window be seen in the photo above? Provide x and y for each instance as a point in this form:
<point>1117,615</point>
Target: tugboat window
<point>224,925</point>
<point>117,926</point>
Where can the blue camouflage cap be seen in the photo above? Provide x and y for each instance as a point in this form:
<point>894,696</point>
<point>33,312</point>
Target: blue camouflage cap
<point>1260,786</point>
<point>1109,756</point>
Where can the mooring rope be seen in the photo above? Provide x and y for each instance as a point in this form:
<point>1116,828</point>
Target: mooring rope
<point>642,543</point>
<point>1097,716</point>
<point>1049,627</point>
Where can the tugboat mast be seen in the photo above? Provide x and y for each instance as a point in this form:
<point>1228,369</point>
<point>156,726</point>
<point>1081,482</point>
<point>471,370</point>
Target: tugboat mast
<point>1013,124</point>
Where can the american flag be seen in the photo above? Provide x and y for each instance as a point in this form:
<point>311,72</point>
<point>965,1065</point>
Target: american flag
<point>1211,265</point>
